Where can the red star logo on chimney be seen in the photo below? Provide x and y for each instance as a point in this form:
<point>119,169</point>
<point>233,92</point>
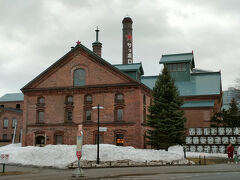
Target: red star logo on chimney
<point>129,37</point>
<point>78,42</point>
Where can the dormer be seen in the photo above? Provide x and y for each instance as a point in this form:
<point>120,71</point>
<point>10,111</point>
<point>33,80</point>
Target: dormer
<point>179,65</point>
<point>133,70</point>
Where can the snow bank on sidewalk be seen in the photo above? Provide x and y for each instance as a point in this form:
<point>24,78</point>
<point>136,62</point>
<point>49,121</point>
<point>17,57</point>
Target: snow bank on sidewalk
<point>60,156</point>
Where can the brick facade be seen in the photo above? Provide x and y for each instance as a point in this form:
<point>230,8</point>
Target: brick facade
<point>9,114</point>
<point>103,84</point>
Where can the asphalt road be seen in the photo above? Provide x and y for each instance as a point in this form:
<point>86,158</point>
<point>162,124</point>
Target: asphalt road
<point>196,172</point>
<point>183,176</point>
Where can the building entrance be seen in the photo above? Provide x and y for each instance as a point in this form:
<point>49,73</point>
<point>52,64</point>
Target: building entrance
<point>40,141</point>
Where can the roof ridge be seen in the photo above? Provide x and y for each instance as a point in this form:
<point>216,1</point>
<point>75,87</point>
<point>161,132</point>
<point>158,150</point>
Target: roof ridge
<point>64,56</point>
<point>149,76</point>
<point>125,64</point>
<point>176,54</point>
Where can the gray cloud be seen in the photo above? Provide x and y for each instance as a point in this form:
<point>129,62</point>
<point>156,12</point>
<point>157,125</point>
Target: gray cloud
<point>34,34</point>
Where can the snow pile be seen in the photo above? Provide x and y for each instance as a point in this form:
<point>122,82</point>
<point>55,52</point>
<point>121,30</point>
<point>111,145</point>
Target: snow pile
<point>112,153</point>
<point>51,155</point>
<point>60,156</point>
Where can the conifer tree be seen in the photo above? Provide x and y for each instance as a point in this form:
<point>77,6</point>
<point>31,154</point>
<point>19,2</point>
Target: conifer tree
<point>227,118</point>
<point>166,121</point>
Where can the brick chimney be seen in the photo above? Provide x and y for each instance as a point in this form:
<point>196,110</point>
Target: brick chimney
<point>97,46</point>
<point>127,53</point>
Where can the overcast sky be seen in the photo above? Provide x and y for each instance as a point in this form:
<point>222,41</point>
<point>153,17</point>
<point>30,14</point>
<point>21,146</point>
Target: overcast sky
<point>34,34</point>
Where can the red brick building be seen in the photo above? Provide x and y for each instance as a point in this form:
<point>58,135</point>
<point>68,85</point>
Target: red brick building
<point>11,115</point>
<point>63,96</point>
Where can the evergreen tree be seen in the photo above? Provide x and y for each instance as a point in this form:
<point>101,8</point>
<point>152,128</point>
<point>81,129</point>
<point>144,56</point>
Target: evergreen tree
<point>233,110</point>
<point>166,121</point>
<point>227,118</point>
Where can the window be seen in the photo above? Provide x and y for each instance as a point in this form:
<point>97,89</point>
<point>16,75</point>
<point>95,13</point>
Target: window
<point>88,99</point>
<point>69,99</point>
<point>88,115</point>
<point>79,77</point>
<point>2,105</point>
<point>119,98</point>
<point>41,100</point>
<point>144,100</point>
<point>179,67</point>
<point>40,116</point>
<point>69,115</point>
<point>144,114</point>
<point>4,136</point>
<point>5,123</point>
<point>119,139</point>
<point>17,106</point>
<point>14,122</point>
<point>119,114</point>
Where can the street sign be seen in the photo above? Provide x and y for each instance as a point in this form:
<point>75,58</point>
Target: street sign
<point>103,129</point>
<point>79,154</point>
<point>79,142</point>
<point>4,158</point>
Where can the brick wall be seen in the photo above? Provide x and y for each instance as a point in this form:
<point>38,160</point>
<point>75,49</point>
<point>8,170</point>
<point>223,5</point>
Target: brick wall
<point>10,115</point>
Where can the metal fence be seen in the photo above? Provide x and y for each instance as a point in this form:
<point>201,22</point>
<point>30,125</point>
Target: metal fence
<point>212,140</point>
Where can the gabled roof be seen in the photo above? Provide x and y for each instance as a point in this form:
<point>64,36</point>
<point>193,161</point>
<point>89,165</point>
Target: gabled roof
<point>130,67</point>
<point>177,58</point>
<point>199,84</point>
<point>12,97</point>
<point>91,53</point>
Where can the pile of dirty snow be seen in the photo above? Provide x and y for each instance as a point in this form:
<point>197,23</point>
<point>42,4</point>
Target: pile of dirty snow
<point>60,156</point>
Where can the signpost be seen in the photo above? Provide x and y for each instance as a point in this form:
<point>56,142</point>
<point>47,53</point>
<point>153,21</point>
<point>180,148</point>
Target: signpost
<point>98,129</point>
<point>78,172</point>
<point>4,159</point>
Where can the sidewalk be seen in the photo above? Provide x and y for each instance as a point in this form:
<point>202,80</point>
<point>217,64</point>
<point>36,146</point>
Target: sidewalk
<point>48,173</point>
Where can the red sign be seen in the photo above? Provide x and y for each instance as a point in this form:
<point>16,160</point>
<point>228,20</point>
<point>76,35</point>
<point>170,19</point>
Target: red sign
<point>4,158</point>
<point>79,154</point>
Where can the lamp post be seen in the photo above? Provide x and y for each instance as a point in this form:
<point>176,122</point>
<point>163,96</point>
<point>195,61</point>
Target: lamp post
<point>97,107</point>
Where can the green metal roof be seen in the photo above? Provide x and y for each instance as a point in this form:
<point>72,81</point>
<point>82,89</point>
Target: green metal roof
<point>14,110</point>
<point>192,104</point>
<point>177,58</point>
<point>130,67</point>
<point>12,97</point>
<point>199,84</point>
<point>149,81</point>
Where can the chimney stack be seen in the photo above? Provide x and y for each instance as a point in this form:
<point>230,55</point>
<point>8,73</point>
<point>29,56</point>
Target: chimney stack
<point>97,46</point>
<point>127,41</point>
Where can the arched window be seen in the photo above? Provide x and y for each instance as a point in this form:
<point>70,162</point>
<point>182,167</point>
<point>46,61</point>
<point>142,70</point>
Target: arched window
<point>88,99</point>
<point>79,77</point>
<point>69,99</point>
<point>41,100</point>
<point>119,98</point>
<point>88,115</point>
